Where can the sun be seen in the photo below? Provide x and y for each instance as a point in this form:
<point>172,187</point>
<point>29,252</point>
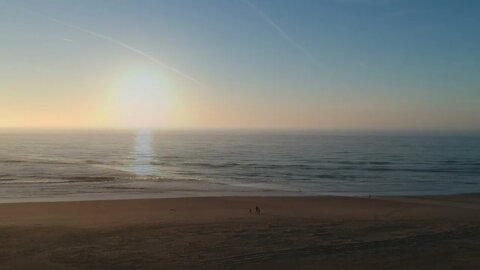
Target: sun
<point>144,100</point>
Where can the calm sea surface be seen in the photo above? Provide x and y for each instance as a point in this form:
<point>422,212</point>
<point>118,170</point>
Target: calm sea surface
<point>102,165</point>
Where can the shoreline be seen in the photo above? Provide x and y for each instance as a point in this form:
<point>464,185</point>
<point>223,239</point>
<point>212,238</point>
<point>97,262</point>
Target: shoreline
<point>193,195</point>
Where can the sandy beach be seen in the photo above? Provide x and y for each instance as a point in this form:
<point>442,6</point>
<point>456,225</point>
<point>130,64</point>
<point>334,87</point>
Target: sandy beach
<point>440,232</point>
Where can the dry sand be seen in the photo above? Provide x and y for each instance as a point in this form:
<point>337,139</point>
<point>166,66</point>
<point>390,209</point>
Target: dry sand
<point>220,233</point>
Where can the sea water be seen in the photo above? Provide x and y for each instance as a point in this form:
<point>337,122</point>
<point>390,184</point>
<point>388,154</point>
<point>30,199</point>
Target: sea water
<point>77,165</point>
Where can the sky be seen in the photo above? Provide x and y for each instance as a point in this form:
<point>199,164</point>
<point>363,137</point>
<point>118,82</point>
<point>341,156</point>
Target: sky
<point>234,64</point>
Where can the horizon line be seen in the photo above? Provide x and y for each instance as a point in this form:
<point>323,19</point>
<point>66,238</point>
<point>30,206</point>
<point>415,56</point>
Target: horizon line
<point>327,130</point>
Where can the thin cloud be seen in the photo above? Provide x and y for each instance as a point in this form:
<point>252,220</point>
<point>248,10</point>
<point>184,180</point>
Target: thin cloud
<point>120,44</point>
<point>280,31</point>
<point>68,40</point>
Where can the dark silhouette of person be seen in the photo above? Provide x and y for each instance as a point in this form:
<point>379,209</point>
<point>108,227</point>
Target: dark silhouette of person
<point>257,210</point>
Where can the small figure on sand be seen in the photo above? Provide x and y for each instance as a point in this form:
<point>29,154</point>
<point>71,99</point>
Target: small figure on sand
<point>250,210</point>
<point>257,210</point>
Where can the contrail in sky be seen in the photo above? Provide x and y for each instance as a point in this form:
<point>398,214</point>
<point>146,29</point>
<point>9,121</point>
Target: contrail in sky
<point>280,31</point>
<point>120,44</point>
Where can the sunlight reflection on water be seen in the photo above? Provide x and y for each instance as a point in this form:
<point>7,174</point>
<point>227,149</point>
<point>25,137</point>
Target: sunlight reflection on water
<point>143,153</point>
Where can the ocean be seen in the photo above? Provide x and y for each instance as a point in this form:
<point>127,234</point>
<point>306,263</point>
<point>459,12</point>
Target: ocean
<point>82,165</point>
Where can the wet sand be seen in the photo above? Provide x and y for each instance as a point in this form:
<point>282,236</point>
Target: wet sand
<point>438,232</point>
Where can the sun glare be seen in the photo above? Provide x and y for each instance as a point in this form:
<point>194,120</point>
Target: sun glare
<point>143,100</point>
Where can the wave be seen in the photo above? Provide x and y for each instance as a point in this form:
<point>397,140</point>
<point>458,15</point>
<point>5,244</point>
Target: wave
<point>159,163</point>
<point>11,161</point>
<point>43,162</point>
<point>50,161</point>
<point>426,170</point>
<point>448,161</point>
<point>91,178</point>
<point>347,162</point>
<point>94,162</point>
<point>211,165</point>
<point>335,176</point>
<point>172,157</point>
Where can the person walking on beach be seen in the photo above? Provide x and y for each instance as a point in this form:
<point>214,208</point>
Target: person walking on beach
<point>257,210</point>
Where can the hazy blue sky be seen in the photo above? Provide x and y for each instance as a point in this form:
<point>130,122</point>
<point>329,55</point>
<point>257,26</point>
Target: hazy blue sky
<point>346,64</point>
